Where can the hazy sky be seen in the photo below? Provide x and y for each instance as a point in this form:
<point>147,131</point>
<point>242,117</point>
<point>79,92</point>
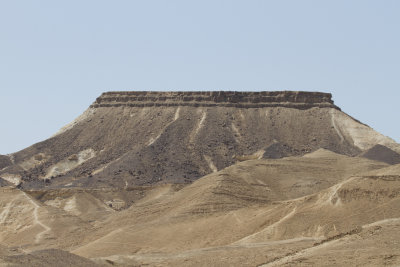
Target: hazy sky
<point>56,57</point>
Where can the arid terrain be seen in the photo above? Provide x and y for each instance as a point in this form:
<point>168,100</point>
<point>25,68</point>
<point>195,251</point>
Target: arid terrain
<point>204,179</point>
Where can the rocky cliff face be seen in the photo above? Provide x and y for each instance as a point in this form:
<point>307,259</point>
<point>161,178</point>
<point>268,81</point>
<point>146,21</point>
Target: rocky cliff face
<point>139,138</point>
<point>289,99</point>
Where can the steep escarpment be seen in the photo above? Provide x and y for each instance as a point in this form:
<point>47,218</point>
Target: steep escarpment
<point>137,138</point>
<point>289,99</point>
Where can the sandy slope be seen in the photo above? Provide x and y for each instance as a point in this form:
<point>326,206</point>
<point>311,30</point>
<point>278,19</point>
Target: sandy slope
<point>27,223</point>
<point>293,211</point>
<point>219,214</point>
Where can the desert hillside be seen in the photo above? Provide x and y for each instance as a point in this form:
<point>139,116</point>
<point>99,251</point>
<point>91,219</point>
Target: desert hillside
<point>204,179</point>
<point>142,138</point>
<point>262,211</point>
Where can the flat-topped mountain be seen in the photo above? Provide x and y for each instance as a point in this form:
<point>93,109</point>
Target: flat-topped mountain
<point>141,138</point>
<point>204,179</point>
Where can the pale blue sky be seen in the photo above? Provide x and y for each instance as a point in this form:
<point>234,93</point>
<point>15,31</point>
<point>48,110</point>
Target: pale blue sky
<point>56,57</point>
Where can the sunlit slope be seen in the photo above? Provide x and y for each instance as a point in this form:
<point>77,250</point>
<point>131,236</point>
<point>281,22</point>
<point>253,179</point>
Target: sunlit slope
<point>254,212</point>
<point>374,244</point>
<point>245,203</point>
<point>26,222</point>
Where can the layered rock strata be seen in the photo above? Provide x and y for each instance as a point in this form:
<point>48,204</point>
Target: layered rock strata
<point>289,99</point>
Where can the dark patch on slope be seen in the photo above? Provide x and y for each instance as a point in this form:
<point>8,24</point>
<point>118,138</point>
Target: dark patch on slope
<point>383,154</point>
<point>48,257</point>
<point>4,182</point>
<point>4,161</point>
<point>278,150</point>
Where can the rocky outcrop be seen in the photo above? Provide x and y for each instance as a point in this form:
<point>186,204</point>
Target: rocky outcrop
<point>289,99</point>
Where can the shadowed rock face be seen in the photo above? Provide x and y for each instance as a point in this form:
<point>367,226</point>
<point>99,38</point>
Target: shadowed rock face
<point>139,138</point>
<point>382,153</point>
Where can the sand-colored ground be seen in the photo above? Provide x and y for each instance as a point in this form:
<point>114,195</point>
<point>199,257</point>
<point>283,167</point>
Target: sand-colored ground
<point>322,209</point>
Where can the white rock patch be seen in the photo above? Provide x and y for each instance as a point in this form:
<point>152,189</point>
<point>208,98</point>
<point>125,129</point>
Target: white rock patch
<point>211,164</point>
<point>34,161</point>
<point>12,178</point>
<point>70,163</point>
